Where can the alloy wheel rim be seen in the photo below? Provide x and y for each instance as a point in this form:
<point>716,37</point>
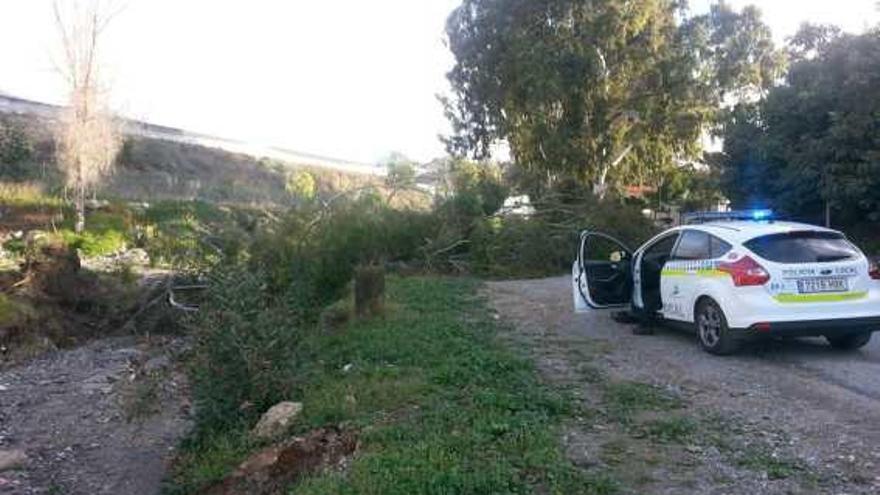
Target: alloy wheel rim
<point>710,326</point>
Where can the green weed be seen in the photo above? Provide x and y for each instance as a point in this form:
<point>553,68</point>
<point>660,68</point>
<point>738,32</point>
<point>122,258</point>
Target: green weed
<point>623,400</point>
<point>775,466</point>
<point>669,430</point>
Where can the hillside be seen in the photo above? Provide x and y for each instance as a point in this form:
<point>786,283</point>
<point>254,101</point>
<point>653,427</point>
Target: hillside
<point>159,162</point>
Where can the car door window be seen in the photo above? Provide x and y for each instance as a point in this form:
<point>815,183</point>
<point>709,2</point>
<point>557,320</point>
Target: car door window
<point>662,248</point>
<point>694,245</point>
<point>605,270</point>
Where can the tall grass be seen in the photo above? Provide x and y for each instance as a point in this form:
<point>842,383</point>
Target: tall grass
<point>26,194</point>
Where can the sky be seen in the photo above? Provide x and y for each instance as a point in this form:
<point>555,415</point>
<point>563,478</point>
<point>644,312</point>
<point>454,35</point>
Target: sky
<point>349,79</point>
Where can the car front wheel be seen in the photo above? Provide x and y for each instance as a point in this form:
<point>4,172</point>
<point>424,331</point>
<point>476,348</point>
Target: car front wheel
<point>850,342</point>
<point>712,330</point>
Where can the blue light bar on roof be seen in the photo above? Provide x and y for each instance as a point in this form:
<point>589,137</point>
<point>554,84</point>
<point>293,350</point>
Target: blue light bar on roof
<point>762,214</point>
<point>710,216</point>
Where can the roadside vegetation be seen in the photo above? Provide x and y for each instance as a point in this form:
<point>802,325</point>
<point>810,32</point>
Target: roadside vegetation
<point>438,404</point>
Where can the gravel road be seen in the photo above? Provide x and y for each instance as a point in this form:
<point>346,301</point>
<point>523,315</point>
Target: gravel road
<point>821,405</point>
<point>101,419</point>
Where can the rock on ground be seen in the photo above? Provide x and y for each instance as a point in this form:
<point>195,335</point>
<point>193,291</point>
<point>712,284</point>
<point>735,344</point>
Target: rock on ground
<point>277,420</point>
<point>12,459</point>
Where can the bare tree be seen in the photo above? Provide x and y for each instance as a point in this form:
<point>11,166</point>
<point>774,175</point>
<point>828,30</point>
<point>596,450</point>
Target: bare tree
<point>88,137</point>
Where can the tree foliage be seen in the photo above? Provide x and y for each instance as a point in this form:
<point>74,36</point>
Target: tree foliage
<point>598,90</point>
<point>814,141</point>
<point>15,145</point>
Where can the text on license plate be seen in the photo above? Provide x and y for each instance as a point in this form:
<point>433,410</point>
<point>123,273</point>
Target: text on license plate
<point>814,285</point>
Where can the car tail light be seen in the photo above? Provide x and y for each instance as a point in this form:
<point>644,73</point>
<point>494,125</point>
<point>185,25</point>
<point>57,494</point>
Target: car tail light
<point>745,272</point>
<point>874,270</point>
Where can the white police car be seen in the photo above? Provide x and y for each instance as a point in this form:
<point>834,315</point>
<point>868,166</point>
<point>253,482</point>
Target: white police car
<point>731,276</point>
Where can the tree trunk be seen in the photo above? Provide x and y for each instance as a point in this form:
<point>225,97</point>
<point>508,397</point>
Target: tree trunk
<point>80,202</point>
<point>600,186</point>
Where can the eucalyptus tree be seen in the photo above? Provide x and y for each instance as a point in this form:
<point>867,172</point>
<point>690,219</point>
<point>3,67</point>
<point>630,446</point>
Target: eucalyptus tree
<point>599,90</point>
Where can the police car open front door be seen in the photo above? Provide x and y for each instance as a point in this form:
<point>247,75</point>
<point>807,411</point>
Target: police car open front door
<point>602,275</point>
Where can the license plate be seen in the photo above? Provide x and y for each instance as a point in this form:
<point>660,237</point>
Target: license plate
<point>817,285</point>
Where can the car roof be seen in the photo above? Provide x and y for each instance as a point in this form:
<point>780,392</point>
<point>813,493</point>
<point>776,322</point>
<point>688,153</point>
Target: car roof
<point>743,230</point>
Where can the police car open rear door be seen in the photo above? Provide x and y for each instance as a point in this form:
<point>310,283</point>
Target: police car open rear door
<point>602,273</point>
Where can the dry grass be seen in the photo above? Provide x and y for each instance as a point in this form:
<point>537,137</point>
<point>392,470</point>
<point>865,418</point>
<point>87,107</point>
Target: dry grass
<point>25,194</point>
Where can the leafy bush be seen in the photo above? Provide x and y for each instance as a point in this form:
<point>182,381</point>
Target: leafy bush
<point>95,243</point>
<point>312,254</point>
<point>107,231</point>
<point>16,146</point>
<point>245,349</point>
<point>196,234</point>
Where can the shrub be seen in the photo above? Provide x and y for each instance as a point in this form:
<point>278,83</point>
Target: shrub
<point>195,234</point>
<point>16,146</point>
<point>245,347</point>
<point>108,231</point>
<point>91,243</point>
<point>311,255</point>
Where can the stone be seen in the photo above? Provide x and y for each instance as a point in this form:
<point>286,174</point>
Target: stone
<point>12,459</point>
<point>277,420</point>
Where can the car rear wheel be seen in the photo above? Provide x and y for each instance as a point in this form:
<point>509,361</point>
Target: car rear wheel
<point>712,330</point>
<point>850,342</point>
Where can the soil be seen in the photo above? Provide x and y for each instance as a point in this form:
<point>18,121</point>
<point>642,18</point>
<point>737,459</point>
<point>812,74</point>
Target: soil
<point>779,417</point>
<point>100,419</point>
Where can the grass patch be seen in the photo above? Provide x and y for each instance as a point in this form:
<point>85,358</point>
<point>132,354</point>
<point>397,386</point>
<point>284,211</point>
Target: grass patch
<point>669,430</point>
<point>624,400</point>
<point>776,467</point>
<point>441,406</point>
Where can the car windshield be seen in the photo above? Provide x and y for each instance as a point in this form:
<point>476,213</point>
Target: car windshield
<point>803,247</point>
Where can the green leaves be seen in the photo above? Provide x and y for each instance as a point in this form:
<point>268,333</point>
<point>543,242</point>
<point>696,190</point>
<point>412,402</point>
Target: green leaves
<point>600,90</point>
<point>814,139</point>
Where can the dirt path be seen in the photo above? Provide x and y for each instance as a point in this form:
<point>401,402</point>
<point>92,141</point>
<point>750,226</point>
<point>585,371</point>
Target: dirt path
<point>795,417</point>
<point>100,419</point>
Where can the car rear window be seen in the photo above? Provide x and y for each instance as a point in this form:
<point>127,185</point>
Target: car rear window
<point>803,247</point>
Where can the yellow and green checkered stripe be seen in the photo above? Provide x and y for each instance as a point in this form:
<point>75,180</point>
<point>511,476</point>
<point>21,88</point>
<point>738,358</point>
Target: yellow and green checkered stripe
<point>678,272</point>
<point>808,298</point>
